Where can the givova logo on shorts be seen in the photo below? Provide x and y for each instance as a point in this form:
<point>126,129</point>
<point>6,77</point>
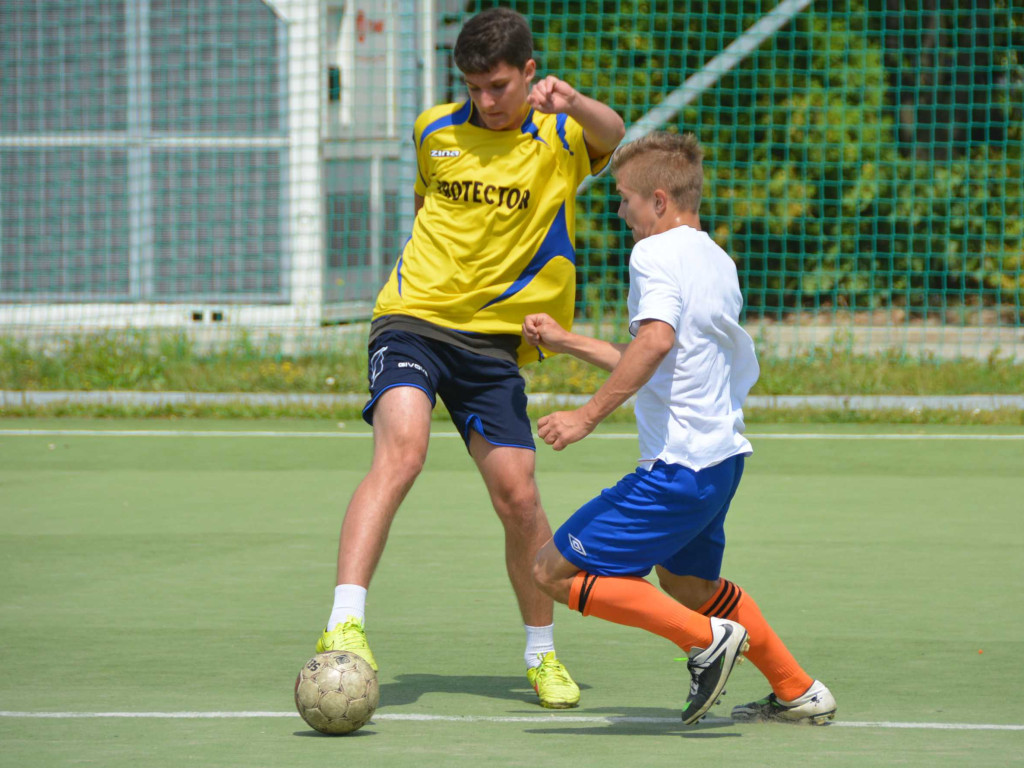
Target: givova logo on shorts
<point>414,366</point>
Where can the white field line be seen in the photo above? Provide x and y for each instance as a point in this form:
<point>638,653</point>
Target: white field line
<point>535,719</point>
<point>369,435</point>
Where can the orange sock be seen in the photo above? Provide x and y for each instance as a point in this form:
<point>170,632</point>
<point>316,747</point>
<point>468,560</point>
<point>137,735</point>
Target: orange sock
<point>768,653</point>
<point>638,603</point>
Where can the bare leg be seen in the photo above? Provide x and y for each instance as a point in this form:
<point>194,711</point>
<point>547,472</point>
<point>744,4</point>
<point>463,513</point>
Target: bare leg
<point>508,475</point>
<point>553,573</point>
<point>691,591</point>
<point>401,434</point>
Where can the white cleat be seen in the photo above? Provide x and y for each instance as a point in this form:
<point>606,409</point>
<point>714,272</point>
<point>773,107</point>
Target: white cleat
<point>817,706</point>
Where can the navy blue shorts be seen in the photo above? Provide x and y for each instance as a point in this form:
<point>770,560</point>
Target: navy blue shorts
<point>668,515</point>
<point>482,394</point>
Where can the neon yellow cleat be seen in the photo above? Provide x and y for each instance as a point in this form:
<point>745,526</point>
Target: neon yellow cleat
<point>348,636</point>
<point>553,685</point>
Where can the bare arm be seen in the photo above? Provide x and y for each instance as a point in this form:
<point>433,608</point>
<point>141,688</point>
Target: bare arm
<point>603,129</point>
<point>418,202</point>
<point>544,330</point>
<point>637,364</point>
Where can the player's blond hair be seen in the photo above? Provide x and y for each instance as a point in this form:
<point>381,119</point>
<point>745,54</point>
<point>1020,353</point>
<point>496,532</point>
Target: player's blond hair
<point>667,161</point>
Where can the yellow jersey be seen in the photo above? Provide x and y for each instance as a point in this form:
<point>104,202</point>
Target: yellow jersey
<point>494,239</point>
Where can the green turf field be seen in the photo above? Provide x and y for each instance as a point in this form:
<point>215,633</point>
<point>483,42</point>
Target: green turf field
<point>188,576</point>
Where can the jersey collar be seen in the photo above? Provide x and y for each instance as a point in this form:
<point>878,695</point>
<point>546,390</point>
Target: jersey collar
<point>527,126</point>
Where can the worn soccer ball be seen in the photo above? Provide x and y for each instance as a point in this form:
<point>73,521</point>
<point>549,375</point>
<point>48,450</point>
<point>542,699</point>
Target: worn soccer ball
<point>336,692</point>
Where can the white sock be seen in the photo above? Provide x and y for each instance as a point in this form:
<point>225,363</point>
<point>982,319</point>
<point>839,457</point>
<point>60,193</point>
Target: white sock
<point>539,640</point>
<point>349,600</point>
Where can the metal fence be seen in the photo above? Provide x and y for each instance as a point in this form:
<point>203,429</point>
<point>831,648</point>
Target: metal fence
<point>246,164</point>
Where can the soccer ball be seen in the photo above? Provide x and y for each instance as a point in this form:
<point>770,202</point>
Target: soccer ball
<point>336,692</point>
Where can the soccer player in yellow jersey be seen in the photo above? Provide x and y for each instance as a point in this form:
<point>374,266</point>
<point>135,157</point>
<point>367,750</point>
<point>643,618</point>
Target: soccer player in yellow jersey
<point>491,243</point>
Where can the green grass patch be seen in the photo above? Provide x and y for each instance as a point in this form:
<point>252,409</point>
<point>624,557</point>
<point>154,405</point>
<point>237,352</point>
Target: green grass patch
<point>1010,417</point>
<point>163,362</point>
<point>148,361</point>
<point>151,361</point>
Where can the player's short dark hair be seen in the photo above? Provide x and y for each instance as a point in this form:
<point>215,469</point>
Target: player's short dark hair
<point>493,37</point>
<point>668,161</point>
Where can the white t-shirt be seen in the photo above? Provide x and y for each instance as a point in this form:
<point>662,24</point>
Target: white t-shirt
<point>691,410</point>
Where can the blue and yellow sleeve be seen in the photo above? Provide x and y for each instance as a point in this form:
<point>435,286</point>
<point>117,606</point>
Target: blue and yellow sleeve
<point>423,171</point>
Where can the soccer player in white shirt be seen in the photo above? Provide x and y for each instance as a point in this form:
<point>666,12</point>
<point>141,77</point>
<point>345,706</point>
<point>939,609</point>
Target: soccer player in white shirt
<point>690,365</point>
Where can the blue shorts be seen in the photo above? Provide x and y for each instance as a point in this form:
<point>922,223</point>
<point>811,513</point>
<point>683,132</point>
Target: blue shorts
<point>667,515</point>
<point>482,394</point>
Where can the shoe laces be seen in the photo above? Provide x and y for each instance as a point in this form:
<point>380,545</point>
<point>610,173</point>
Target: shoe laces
<point>695,673</point>
<point>695,669</point>
<point>552,669</point>
<point>352,630</point>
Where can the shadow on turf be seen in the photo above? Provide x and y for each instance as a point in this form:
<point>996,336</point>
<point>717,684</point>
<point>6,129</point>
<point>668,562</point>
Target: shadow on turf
<point>624,727</point>
<point>407,689</point>
<point>361,733</point>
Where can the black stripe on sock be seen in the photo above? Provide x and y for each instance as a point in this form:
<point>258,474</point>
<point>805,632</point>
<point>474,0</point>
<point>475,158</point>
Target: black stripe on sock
<point>589,580</point>
<point>726,596</point>
<point>731,604</point>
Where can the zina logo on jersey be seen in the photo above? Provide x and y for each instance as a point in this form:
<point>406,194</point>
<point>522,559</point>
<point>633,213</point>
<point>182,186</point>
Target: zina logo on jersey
<point>445,152</point>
